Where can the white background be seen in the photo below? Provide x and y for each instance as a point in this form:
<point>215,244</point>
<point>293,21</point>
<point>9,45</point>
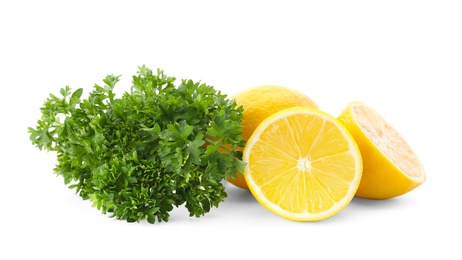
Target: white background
<point>403,58</point>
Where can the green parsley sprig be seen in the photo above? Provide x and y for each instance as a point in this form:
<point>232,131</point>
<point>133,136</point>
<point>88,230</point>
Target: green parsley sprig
<point>156,147</point>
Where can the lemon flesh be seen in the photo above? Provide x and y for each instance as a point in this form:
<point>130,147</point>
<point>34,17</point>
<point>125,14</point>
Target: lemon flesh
<point>302,164</point>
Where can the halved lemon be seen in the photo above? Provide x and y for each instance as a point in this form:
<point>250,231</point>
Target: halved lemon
<point>391,167</point>
<point>302,164</point>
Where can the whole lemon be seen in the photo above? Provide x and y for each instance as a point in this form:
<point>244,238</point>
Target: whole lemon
<point>261,102</point>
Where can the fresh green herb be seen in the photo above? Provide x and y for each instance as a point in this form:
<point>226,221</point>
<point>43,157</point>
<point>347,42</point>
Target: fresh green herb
<point>157,147</point>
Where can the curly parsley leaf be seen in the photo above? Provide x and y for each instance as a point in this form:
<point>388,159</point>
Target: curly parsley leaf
<point>156,147</point>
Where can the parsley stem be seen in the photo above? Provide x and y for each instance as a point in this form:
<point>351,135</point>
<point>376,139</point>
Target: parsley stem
<point>221,146</point>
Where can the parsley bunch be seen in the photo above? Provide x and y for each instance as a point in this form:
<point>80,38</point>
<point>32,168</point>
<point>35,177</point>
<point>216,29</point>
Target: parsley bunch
<point>157,147</point>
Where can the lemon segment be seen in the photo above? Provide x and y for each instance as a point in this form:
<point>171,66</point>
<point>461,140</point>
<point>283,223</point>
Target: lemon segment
<point>302,164</point>
<point>391,168</point>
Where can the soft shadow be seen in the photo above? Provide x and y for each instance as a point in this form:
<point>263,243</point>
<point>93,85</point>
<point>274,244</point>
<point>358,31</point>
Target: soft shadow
<point>359,206</point>
<point>393,202</point>
<point>238,195</point>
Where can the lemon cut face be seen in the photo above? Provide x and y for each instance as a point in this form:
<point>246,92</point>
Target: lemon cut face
<point>391,167</point>
<point>302,164</point>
